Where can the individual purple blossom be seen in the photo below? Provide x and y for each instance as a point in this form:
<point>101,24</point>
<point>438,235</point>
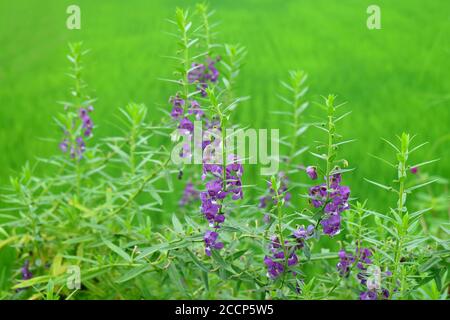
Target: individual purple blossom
<point>311,171</point>
<point>335,180</point>
<point>414,170</point>
<point>25,270</point>
<point>215,189</point>
<point>210,239</point>
<point>345,263</point>
<point>186,126</point>
<point>301,234</point>
<point>196,110</point>
<point>176,112</point>
<point>368,295</point>
<point>262,202</point>
<point>331,224</point>
<point>214,169</point>
<point>177,107</point>
<point>318,195</point>
<point>64,145</point>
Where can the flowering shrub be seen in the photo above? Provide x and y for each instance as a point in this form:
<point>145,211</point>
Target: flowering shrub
<point>96,225</point>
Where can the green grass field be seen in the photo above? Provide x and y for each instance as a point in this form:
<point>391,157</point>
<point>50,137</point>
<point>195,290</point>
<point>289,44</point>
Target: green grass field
<point>394,79</point>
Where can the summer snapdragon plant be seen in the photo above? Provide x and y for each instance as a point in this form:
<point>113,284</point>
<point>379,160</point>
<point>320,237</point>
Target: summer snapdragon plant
<point>97,225</point>
<point>401,225</point>
<point>70,218</point>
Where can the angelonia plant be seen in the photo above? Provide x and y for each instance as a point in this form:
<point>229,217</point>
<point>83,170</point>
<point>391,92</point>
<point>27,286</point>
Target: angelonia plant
<point>168,208</point>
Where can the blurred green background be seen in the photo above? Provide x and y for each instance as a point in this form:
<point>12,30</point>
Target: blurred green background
<point>394,79</point>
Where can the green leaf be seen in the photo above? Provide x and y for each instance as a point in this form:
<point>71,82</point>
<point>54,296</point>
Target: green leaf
<point>176,224</point>
<point>175,277</point>
<point>196,261</point>
<point>379,184</point>
<point>119,251</point>
<point>155,195</point>
<point>133,273</point>
<point>205,280</point>
<point>421,185</point>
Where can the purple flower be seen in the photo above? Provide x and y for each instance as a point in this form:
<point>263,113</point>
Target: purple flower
<point>87,123</point>
<point>64,145</point>
<point>335,180</point>
<point>368,295</point>
<point>274,268</point>
<point>215,190</point>
<point>276,262</point>
<point>196,110</point>
<point>214,169</point>
<point>210,239</point>
<point>26,273</point>
<point>331,225</point>
<point>346,260</point>
<point>302,234</point>
<point>312,172</point>
<point>318,195</point>
<point>177,101</point>
<point>186,126</point>
<point>176,112</point>
<point>203,74</point>
<point>262,202</point>
<point>414,170</point>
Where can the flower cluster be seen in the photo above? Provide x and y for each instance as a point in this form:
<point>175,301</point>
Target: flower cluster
<point>302,234</point>
<point>333,200</point>
<point>217,189</point>
<point>277,262</point>
<point>203,73</point>
<point>184,119</point>
<point>210,239</point>
<point>369,276</point>
<point>78,147</point>
<point>87,124</point>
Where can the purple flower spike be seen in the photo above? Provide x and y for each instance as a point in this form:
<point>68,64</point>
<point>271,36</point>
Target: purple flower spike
<point>311,172</point>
